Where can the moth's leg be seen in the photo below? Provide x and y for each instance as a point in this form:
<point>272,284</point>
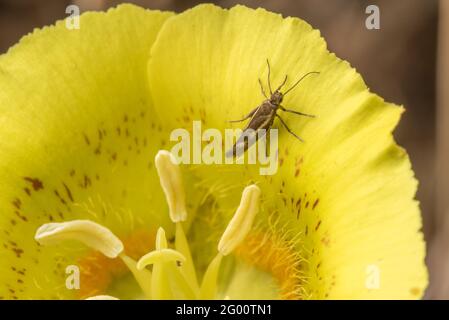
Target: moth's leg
<point>288,129</point>
<point>297,112</point>
<point>261,89</point>
<point>246,117</point>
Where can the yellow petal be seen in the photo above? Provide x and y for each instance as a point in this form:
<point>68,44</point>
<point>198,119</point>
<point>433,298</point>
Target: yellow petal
<point>77,139</point>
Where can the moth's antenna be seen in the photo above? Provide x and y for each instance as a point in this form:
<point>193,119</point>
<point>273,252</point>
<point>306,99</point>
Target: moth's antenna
<point>293,86</point>
<point>282,84</point>
<point>269,71</point>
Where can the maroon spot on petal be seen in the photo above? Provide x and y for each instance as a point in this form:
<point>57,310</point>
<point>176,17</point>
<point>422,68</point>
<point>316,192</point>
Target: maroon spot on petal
<point>297,172</point>
<point>87,182</point>
<point>86,139</point>
<point>72,172</point>
<point>97,150</point>
<point>307,204</point>
<point>18,252</point>
<point>27,191</point>
<point>318,225</point>
<point>325,240</point>
<point>17,203</point>
<point>59,197</point>
<point>21,216</point>
<point>69,193</point>
<point>315,204</point>
<point>36,184</point>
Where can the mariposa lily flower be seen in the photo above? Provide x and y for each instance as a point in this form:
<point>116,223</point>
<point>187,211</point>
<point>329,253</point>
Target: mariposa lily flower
<point>85,114</point>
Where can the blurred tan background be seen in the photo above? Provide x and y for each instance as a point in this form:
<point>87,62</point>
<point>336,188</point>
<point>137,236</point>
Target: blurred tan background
<point>399,62</point>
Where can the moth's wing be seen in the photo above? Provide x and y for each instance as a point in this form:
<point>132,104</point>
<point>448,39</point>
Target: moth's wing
<point>247,139</point>
<point>262,117</point>
<point>257,118</point>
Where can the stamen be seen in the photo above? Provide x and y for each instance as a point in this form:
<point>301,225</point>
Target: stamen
<point>209,285</point>
<point>90,233</point>
<point>241,222</point>
<point>167,277</point>
<point>161,240</point>
<point>171,182</point>
<point>142,276</point>
<point>235,233</point>
<point>96,237</point>
<point>188,267</point>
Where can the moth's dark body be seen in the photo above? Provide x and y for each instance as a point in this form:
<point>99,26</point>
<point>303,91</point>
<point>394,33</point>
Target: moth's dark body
<point>262,117</point>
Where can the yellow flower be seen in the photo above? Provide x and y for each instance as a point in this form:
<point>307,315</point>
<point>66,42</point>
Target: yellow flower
<point>84,112</point>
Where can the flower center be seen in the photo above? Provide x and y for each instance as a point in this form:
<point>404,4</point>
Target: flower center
<point>163,273</point>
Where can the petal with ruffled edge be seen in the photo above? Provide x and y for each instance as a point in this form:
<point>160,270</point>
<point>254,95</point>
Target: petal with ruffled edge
<point>341,204</point>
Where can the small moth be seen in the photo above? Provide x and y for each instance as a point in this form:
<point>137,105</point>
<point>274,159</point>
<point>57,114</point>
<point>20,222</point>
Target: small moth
<point>262,117</point>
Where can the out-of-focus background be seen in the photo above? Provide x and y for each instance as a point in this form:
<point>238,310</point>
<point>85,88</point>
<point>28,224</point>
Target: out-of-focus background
<point>406,61</point>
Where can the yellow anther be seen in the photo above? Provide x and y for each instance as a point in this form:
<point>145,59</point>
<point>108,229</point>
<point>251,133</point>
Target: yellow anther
<point>241,222</point>
<point>171,182</point>
<point>89,233</point>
